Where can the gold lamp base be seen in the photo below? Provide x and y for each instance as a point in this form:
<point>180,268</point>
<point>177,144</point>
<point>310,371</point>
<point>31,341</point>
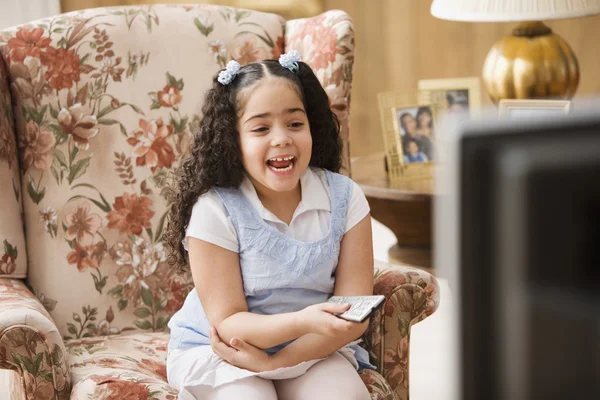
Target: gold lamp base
<point>532,63</point>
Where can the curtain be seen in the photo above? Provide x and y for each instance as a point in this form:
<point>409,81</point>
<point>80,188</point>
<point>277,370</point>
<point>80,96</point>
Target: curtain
<point>18,12</point>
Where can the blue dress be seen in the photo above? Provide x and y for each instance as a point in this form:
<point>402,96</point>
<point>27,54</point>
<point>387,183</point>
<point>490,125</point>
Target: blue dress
<point>280,274</point>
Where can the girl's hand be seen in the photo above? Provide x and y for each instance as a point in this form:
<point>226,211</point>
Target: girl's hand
<point>319,319</point>
<point>240,354</point>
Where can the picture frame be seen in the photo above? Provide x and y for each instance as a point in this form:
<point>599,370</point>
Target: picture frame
<point>512,109</point>
<point>453,94</point>
<point>415,130</point>
<point>391,107</point>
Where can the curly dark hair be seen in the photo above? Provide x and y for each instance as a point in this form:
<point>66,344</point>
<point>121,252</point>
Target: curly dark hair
<point>215,157</point>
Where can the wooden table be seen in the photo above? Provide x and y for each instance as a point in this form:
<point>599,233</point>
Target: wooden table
<point>405,208</point>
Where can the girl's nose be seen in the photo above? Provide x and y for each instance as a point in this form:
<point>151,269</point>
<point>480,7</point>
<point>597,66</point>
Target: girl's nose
<point>281,138</point>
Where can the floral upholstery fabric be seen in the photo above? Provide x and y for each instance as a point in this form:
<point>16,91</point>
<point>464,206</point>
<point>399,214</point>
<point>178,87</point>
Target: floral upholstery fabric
<point>120,367</point>
<point>379,389</point>
<point>96,107</point>
<point>31,344</point>
<point>13,259</point>
<point>411,296</point>
<point>106,101</point>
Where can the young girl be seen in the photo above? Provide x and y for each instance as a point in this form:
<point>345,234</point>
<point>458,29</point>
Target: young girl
<point>270,231</point>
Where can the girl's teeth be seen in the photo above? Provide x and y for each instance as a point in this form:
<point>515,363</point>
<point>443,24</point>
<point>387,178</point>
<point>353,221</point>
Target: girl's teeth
<point>289,167</point>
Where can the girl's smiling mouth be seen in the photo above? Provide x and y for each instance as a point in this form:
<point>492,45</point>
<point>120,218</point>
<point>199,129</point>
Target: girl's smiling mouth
<point>281,164</point>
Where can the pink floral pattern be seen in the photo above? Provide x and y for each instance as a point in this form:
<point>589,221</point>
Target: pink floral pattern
<point>8,262</point>
<point>411,296</point>
<point>131,213</point>
<point>249,52</point>
<point>169,97</point>
<point>379,389</point>
<point>31,344</point>
<point>99,127</point>
<point>28,43</point>
<point>82,225</point>
<point>120,367</point>
<point>63,68</point>
<point>36,144</point>
<point>76,121</point>
<point>149,141</point>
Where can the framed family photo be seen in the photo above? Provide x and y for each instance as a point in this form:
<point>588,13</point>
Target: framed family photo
<point>409,127</point>
<point>415,132</point>
<point>523,109</point>
<point>410,123</point>
<point>455,95</point>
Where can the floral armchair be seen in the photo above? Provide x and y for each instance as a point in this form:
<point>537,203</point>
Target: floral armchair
<point>95,107</point>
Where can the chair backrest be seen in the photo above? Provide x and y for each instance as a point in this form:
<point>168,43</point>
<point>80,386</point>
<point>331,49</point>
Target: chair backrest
<point>104,103</point>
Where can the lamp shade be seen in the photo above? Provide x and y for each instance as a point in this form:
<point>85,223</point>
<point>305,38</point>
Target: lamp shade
<point>512,10</point>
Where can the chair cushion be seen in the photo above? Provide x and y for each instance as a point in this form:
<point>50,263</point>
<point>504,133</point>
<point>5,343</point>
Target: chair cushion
<point>134,367</point>
<point>120,367</point>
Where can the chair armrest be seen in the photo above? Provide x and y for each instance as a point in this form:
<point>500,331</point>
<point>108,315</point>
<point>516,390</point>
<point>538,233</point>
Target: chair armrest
<point>411,296</point>
<point>378,387</point>
<point>30,343</point>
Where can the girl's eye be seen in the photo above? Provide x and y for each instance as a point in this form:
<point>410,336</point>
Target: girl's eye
<point>260,129</point>
<point>296,124</point>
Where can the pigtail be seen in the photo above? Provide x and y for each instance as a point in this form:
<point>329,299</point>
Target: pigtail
<point>324,125</point>
<point>214,160</point>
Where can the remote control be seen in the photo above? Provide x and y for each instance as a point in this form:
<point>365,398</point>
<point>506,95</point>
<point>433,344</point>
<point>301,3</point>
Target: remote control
<point>361,307</point>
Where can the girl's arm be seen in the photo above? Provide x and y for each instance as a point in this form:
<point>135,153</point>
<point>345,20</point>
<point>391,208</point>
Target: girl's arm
<point>353,277</point>
<point>218,281</point>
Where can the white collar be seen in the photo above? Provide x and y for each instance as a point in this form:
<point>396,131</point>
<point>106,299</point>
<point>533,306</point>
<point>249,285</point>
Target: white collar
<point>314,196</point>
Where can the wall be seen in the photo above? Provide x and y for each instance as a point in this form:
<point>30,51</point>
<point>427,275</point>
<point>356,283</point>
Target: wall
<point>287,8</point>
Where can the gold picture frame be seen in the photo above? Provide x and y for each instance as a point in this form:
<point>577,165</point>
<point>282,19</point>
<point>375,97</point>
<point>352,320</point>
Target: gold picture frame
<point>507,108</point>
<point>389,105</point>
<point>453,93</point>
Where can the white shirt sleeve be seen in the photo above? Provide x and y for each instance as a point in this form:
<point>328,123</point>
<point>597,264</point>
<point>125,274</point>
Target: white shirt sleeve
<point>358,207</point>
<point>210,222</point>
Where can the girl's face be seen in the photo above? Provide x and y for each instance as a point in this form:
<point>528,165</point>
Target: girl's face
<point>275,136</point>
<point>413,148</point>
<point>424,119</point>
